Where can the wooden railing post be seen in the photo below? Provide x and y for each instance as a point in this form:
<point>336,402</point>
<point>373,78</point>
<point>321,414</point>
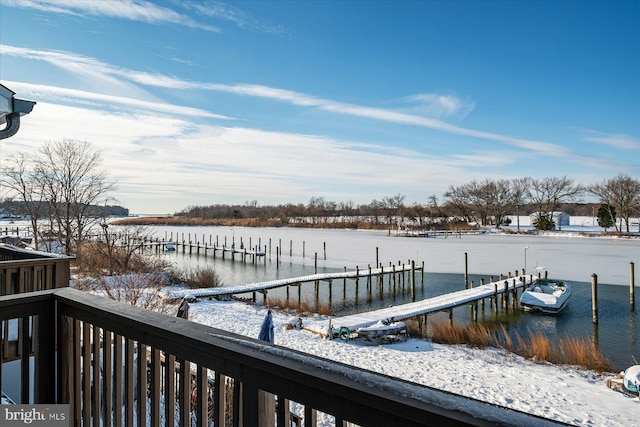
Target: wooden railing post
<point>45,360</point>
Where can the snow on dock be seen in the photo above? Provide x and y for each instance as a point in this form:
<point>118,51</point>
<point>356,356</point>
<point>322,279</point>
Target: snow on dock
<point>405,311</point>
<point>264,286</point>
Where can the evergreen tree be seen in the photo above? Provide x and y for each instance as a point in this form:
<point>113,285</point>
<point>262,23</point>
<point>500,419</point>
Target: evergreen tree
<point>606,216</point>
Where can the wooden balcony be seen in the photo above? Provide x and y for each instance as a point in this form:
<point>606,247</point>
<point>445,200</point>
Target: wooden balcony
<point>118,365</point>
<point>24,270</point>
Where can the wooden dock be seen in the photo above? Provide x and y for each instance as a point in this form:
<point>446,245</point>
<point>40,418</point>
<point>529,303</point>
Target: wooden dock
<point>248,253</point>
<point>168,246</point>
<point>262,287</point>
<point>506,288</point>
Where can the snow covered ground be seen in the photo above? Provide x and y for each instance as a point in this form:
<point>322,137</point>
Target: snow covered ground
<point>560,393</point>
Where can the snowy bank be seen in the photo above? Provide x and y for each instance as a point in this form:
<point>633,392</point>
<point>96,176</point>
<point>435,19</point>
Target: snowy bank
<point>559,393</point>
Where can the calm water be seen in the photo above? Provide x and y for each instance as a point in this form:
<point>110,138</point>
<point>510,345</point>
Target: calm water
<point>572,259</point>
<point>617,333</point>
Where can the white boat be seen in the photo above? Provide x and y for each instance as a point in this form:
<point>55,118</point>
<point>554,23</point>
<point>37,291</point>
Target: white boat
<point>546,296</point>
<point>627,381</point>
<point>631,380</point>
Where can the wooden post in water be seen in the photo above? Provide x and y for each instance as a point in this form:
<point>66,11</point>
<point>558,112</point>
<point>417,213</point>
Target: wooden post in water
<point>493,302</point>
<point>474,308</point>
<point>466,271</point>
<point>344,284</point>
<point>304,249</point>
<point>632,284</point>
<point>315,271</point>
<point>356,283</point>
<point>413,281</point>
<point>506,296</point>
<point>594,297</point>
<point>369,282</point>
<point>394,279</point>
<point>325,250</point>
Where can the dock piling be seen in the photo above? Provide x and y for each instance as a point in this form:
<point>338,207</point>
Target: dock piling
<point>632,284</point>
<point>594,297</point>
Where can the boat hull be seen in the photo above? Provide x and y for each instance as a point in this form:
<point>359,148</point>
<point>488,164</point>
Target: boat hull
<point>546,296</point>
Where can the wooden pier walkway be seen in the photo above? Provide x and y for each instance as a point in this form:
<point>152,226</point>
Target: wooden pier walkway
<point>421,308</point>
<point>174,246</point>
<point>227,291</point>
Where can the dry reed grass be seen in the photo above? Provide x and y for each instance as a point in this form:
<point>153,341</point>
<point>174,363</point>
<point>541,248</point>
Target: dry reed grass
<point>536,346</point>
<point>302,307</point>
<point>474,335</point>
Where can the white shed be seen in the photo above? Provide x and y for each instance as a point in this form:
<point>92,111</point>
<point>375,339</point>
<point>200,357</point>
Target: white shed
<point>559,218</point>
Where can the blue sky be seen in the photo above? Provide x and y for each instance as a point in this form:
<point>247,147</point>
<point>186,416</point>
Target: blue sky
<point>205,102</point>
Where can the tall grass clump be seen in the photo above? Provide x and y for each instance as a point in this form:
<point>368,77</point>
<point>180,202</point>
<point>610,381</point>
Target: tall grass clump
<point>303,307</point>
<point>198,277</point>
<point>583,352</point>
<point>475,335</point>
<point>535,346</point>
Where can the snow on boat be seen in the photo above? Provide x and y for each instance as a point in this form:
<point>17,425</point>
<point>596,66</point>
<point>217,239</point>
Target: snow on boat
<point>383,330</point>
<point>631,379</point>
<point>546,296</point>
<point>627,381</point>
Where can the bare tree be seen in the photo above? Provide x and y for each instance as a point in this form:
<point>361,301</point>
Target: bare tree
<point>547,194</point>
<point>458,199</point>
<point>499,199</point>
<point>519,188</point>
<point>18,178</point>
<point>621,195</point>
<point>73,186</point>
<point>392,206</point>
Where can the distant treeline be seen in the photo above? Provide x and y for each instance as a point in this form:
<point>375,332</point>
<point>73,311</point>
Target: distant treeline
<point>486,202</point>
<point>20,209</point>
<point>289,212</point>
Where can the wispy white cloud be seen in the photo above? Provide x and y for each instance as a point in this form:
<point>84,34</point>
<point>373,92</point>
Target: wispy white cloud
<point>235,15</point>
<point>74,96</point>
<point>135,10</point>
<point>162,164</point>
<point>439,106</point>
<point>616,140</point>
<point>95,69</point>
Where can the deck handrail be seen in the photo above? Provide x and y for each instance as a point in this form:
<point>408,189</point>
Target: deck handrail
<point>100,339</point>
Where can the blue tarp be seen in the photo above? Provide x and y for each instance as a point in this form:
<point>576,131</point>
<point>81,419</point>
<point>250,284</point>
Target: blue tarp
<point>266,330</point>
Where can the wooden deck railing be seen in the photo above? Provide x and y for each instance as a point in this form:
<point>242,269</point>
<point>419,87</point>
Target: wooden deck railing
<point>105,358</point>
<point>24,270</point>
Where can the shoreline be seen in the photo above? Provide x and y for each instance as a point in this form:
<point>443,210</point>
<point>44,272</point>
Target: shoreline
<point>570,231</point>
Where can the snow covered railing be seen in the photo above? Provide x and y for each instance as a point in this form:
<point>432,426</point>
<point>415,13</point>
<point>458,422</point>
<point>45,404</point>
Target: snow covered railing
<point>104,358</point>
